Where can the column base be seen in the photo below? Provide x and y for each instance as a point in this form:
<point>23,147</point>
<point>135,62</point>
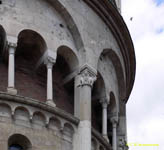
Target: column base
<point>106,137</point>
<point>50,103</point>
<point>11,91</point>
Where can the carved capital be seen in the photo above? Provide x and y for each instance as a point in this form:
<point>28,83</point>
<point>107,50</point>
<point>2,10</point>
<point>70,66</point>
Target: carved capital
<point>114,121</point>
<point>86,77</point>
<point>12,44</point>
<point>12,47</point>
<point>104,102</point>
<point>49,61</point>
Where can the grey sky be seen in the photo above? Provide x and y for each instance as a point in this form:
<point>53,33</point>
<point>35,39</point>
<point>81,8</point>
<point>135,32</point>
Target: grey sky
<point>145,108</point>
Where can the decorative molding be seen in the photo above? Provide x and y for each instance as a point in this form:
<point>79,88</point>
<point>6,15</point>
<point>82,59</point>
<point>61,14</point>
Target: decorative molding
<point>11,47</point>
<point>21,100</point>
<point>87,76</point>
<point>49,61</point>
<point>104,102</point>
<point>114,120</point>
<point>12,44</point>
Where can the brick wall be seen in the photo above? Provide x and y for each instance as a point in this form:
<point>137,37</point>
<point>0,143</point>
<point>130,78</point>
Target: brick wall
<point>34,85</point>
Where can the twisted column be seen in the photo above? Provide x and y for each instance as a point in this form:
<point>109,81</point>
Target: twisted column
<point>104,102</point>
<point>11,69</point>
<point>49,61</point>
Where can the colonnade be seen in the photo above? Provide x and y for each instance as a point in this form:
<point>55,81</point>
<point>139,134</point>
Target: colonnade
<point>83,88</point>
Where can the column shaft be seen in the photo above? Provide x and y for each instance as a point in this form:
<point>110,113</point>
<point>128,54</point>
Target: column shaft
<point>114,121</point>
<point>49,61</point>
<point>114,139</point>
<point>104,121</point>
<point>49,84</point>
<point>104,102</point>
<point>11,69</point>
<point>83,85</point>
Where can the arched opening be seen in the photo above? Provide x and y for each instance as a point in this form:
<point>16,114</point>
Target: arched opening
<point>112,111</point>
<point>39,118</point>
<point>98,93</point>
<point>19,142</point>
<point>21,113</point>
<point>68,134</point>
<point>112,56</point>
<point>66,64</point>
<point>30,48</point>
<point>3,66</point>
<point>5,110</point>
<point>2,39</point>
<point>54,124</point>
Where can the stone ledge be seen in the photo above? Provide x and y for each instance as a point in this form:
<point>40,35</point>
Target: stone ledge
<point>101,139</point>
<point>35,103</point>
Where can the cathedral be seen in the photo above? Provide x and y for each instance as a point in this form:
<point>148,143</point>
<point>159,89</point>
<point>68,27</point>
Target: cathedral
<point>67,68</point>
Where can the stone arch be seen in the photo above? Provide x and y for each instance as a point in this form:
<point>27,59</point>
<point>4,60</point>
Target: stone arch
<point>54,124</point>
<point>118,69</point>
<point>113,110</point>
<point>98,92</point>
<point>61,18</point>
<point>3,66</point>
<point>19,140</point>
<point>2,39</point>
<point>5,110</point>
<point>39,118</point>
<point>113,105</point>
<point>31,46</point>
<point>70,23</point>
<point>21,113</point>
<point>66,66</point>
<point>68,130</point>
<point>69,57</point>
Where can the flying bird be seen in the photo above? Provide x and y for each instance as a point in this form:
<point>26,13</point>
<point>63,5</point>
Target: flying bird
<point>131,18</point>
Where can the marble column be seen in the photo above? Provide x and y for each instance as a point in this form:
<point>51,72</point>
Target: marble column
<point>114,121</point>
<point>11,69</point>
<point>83,85</point>
<point>104,102</point>
<point>49,62</point>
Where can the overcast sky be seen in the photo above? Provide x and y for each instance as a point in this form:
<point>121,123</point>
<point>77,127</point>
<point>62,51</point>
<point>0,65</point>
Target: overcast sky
<point>145,108</point>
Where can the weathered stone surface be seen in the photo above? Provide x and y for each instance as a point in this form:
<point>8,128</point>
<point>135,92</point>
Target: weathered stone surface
<point>93,58</point>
